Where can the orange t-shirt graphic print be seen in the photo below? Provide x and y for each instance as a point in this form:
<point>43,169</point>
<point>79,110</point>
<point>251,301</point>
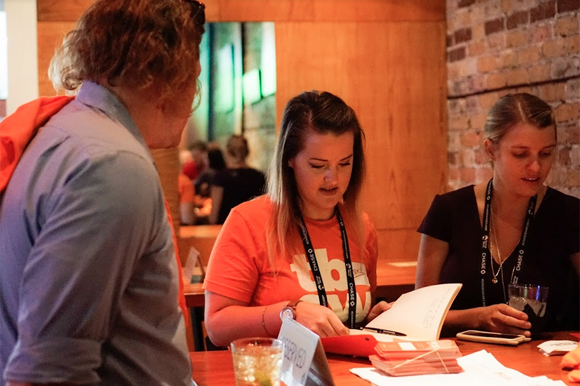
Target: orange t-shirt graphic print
<point>239,267</point>
<point>334,278</point>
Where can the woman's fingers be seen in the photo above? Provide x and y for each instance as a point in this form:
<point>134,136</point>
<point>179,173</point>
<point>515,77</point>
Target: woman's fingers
<point>321,320</point>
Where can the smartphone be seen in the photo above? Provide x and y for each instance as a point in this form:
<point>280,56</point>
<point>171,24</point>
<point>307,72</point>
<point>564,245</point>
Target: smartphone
<point>492,337</point>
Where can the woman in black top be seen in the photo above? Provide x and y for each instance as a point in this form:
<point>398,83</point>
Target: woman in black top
<point>482,235</point>
<point>236,183</point>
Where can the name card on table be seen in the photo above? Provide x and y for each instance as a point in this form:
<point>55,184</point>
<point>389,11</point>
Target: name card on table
<point>304,362</point>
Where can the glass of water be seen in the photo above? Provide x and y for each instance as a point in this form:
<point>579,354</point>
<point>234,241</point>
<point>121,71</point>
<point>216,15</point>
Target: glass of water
<point>531,299</point>
<point>257,361</point>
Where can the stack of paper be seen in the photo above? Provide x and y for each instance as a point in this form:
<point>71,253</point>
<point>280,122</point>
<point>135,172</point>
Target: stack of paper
<point>479,369</point>
<point>415,358</point>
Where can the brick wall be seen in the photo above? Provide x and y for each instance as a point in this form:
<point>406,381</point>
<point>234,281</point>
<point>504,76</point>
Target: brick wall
<point>496,47</point>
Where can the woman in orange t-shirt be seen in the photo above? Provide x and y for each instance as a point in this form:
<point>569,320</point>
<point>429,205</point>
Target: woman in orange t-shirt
<point>304,250</point>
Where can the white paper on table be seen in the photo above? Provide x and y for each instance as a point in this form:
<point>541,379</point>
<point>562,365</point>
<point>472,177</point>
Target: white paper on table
<point>480,369</point>
<point>557,347</point>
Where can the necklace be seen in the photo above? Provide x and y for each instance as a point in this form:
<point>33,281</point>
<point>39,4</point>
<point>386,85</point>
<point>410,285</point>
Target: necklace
<point>494,280</point>
<point>501,261</point>
<point>500,264</point>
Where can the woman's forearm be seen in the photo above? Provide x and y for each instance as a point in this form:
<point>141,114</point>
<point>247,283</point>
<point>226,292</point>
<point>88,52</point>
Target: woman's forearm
<point>234,322</point>
<point>461,320</point>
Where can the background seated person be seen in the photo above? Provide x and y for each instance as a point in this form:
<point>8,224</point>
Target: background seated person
<point>204,182</point>
<point>197,161</point>
<point>235,184</point>
<point>259,263</point>
<point>533,230</point>
<point>216,162</point>
<point>186,200</point>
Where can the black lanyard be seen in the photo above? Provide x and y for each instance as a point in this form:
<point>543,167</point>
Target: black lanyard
<point>316,271</point>
<point>485,252</point>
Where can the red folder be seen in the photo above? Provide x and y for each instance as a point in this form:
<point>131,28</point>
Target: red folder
<point>360,345</point>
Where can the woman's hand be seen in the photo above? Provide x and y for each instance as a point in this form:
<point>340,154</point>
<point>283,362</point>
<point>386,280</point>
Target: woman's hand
<point>378,309</point>
<point>572,361</point>
<point>321,320</point>
<point>503,318</point>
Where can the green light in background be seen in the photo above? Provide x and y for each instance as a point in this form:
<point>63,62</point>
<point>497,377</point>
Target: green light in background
<point>268,59</point>
<point>251,83</point>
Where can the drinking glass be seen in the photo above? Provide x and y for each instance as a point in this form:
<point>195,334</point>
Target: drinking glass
<point>531,299</point>
<point>257,361</point>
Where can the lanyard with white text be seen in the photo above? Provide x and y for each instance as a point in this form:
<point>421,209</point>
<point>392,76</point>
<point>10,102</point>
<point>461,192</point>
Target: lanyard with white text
<point>485,252</point>
<point>316,271</point>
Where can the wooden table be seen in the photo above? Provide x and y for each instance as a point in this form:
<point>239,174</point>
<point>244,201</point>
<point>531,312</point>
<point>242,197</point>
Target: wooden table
<point>395,279</point>
<point>201,237</point>
<point>194,295</point>
<point>215,368</point>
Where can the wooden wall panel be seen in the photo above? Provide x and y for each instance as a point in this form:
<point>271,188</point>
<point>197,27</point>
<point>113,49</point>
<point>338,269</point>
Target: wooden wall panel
<point>386,58</point>
<point>50,35</point>
<point>325,10</point>
<point>167,161</point>
<point>281,10</point>
<point>61,11</point>
<point>398,244</point>
<point>399,105</point>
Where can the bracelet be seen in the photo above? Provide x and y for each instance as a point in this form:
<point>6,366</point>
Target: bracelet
<point>264,321</point>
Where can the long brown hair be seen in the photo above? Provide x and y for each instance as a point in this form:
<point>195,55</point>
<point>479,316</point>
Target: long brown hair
<point>311,112</point>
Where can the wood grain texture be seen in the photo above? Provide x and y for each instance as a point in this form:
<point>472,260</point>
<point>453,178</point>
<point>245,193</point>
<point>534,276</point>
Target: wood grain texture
<point>167,162</point>
<point>61,11</point>
<point>396,245</point>
<point>325,10</point>
<point>50,35</point>
<point>281,10</point>
<point>215,368</point>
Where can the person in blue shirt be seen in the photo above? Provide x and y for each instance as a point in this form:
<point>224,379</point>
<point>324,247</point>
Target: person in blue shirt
<point>89,280</point>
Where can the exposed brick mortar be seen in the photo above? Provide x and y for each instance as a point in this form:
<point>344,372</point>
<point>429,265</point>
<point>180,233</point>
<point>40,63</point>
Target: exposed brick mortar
<point>511,87</point>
